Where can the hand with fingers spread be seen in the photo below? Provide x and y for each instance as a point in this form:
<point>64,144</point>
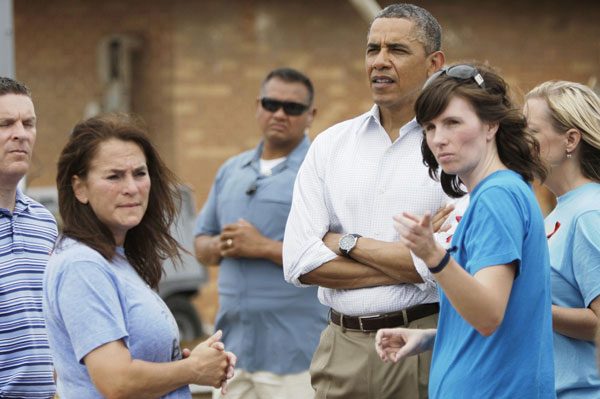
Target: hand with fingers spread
<point>394,344</point>
<point>440,217</point>
<point>417,234</point>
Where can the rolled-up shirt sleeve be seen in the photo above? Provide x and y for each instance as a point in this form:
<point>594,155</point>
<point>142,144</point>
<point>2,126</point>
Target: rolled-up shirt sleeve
<point>586,255</point>
<point>308,221</point>
<point>443,238</point>
<point>428,280</point>
<point>207,221</point>
<point>423,270</point>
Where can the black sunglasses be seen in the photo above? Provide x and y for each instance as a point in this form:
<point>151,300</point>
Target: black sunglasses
<point>289,107</point>
<point>460,71</point>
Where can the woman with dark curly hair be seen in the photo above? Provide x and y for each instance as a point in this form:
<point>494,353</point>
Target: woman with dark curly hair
<point>110,334</point>
<point>494,337</point>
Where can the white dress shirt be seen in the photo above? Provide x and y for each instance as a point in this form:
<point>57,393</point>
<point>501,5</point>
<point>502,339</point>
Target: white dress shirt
<point>353,180</point>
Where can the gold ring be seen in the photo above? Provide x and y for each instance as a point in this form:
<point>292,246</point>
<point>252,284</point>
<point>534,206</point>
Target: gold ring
<point>229,243</point>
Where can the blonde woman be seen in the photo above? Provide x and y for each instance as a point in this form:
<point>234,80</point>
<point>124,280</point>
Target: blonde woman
<point>565,117</point>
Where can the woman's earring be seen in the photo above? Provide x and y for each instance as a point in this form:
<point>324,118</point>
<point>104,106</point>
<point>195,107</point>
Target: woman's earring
<point>569,155</point>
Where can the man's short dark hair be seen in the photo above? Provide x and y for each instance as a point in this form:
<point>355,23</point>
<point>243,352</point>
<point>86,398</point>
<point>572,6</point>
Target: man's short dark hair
<point>11,86</point>
<point>428,29</point>
<point>290,75</point>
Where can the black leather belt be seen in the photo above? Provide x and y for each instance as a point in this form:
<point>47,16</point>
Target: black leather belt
<point>384,320</point>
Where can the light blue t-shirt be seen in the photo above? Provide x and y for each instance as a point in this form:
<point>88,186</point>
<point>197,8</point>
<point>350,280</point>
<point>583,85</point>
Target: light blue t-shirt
<point>502,224</point>
<point>573,228</point>
<point>89,302</point>
<point>269,324</point>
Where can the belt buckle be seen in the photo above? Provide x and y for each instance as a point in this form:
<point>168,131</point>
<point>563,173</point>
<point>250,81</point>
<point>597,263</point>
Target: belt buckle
<point>360,320</point>
<point>405,318</point>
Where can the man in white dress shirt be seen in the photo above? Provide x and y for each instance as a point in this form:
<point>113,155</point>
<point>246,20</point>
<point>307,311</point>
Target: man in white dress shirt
<point>340,235</point>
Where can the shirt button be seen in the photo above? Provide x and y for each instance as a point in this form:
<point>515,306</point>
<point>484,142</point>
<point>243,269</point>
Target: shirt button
<point>268,172</point>
<point>389,151</point>
<point>381,191</point>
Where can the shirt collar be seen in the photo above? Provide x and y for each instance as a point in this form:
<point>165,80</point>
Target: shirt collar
<point>374,112</point>
<point>21,204</point>
<point>254,156</point>
<point>294,158</point>
<point>410,127</point>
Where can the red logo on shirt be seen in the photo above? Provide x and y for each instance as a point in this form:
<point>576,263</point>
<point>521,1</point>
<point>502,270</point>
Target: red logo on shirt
<point>450,236</point>
<point>556,226</point>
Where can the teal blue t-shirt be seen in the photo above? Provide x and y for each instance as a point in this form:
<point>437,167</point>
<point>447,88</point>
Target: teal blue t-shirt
<point>88,302</point>
<point>502,224</point>
<point>573,228</point>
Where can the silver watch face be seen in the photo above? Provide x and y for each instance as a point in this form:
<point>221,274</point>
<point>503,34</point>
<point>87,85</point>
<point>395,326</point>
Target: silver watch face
<point>347,242</point>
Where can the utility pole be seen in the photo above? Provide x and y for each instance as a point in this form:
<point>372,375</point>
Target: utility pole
<point>366,8</point>
<point>7,50</point>
<point>7,43</point>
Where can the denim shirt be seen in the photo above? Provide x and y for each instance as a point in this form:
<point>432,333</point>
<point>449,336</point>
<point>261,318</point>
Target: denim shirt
<point>269,324</point>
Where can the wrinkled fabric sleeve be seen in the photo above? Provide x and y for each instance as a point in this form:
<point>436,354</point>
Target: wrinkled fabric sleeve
<point>90,305</point>
<point>428,280</point>
<point>497,231</point>
<point>207,222</point>
<point>308,221</point>
<point>423,270</point>
<point>443,238</point>
<point>586,255</point>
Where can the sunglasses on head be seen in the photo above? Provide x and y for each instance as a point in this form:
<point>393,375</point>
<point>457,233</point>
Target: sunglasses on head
<point>460,71</point>
<point>289,107</point>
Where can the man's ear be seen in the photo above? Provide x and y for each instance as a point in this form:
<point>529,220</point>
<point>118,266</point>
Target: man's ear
<point>311,116</point>
<point>258,107</point>
<point>79,189</point>
<point>436,62</point>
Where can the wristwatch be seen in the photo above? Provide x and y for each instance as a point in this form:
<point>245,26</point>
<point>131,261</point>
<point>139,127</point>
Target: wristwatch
<point>347,243</point>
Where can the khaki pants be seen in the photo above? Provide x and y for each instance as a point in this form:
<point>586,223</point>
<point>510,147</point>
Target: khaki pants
<point>267,385</point>
<point>346,366</point>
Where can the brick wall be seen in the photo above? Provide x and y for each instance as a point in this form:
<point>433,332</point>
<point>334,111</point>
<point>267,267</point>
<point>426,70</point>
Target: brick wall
<point>56,51</point>
<point>203,61</point>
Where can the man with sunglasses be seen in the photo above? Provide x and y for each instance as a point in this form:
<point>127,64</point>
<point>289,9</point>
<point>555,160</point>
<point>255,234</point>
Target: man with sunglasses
<point>340,234</point>
<point>273,326</point>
